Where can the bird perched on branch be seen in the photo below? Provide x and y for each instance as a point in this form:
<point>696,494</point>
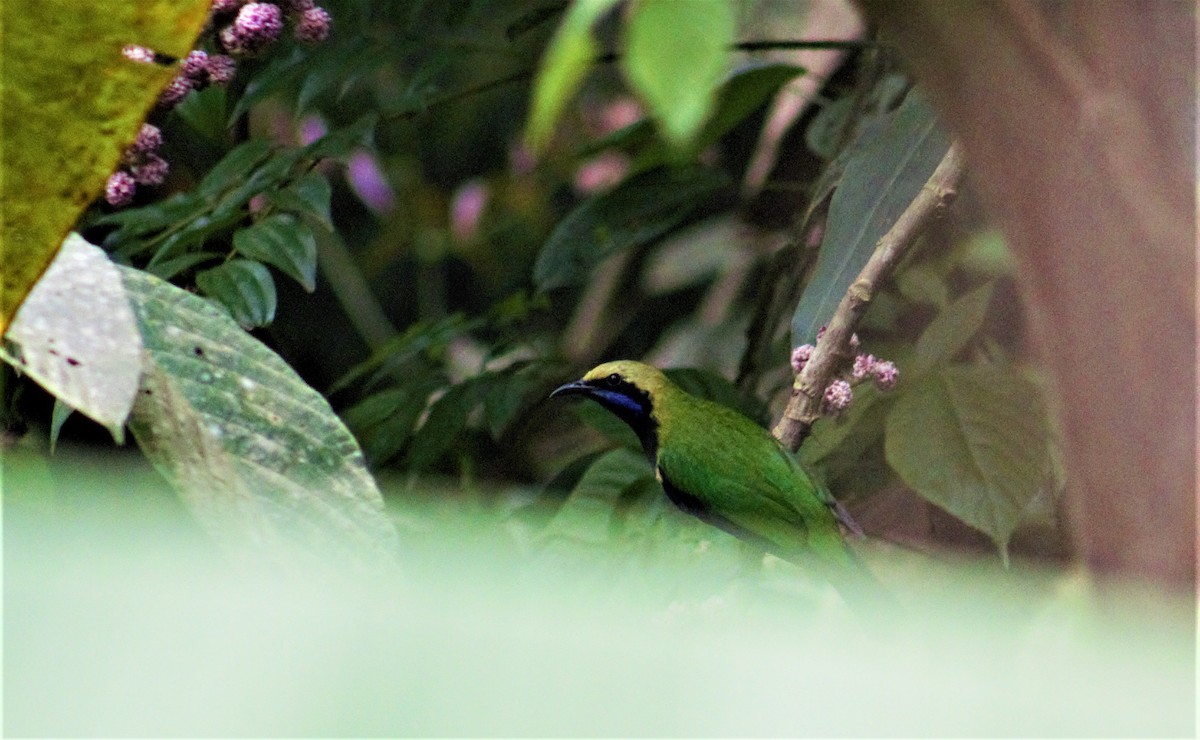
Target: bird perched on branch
<point>721,467</point>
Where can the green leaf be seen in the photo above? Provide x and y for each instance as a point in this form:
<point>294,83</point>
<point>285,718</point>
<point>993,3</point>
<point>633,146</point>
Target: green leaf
<point>675,55</point>
<point>924,283</point>
<point>284,241</point>
<point>244,288</point>
<point>395,355</point>
<point>975,442</point>
<point>255,453</point>
<point>952,329</point>
<point>232,168</point>
<point>308,196</point>
<point>563,67</point>
<point>204,112</point>
<point>447,417</point>
<point>76,336</point>
<point>58,417</point>
<point>169,268</point>
<point>339,143</point>
<point>637,212</point>
<point>881,178</point>
<point>384,422</point>
<point>744,92</point>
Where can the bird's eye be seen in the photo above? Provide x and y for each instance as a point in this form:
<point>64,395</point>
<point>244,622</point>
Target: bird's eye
<point>613,380</point>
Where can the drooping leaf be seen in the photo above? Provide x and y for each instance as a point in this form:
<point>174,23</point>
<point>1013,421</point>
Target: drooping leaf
<point>952,329</point>
<point>255,453</point>
<point>562,69</point>
<point>245,288</point>
<point>58,417</point>
<point>284,241</point>
<point>637,212</point>
<point>675,55</point>
<point>77,337</point>
<point>882,177</point>
<point>72,103</point>
<point>975,442</point>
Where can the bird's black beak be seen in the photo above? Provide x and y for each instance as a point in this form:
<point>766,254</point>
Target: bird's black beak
<point>574,388</point>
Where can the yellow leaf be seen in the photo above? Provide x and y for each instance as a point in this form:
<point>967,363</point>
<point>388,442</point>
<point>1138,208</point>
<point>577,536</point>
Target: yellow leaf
<point>71,104</point>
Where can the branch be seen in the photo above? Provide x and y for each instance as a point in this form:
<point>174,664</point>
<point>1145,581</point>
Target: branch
<point>833,348</point>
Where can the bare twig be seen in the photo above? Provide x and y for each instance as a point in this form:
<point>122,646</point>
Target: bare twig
<point>833,348</point>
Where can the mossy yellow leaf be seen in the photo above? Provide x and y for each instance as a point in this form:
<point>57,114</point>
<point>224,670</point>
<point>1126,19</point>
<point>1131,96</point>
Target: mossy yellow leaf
<point>71,103</point>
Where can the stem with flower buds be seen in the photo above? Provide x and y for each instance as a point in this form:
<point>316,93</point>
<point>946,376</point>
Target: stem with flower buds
<point>833,347</point>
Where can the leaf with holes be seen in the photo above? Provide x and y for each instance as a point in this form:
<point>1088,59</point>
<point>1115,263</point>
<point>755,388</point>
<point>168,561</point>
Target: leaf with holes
<point>975,442</point>
<point>76,336</point>
<point>255,453</point>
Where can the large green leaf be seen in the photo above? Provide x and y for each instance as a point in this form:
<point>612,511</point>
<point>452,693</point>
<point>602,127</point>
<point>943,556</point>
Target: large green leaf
<point>255,453</point>
<point>974,441</point>
<point>284,241</point>
<point>566,61</point>
<point>588,513</point>
<point>71,104</point>
<point>76,336</point>
<point>882,177</point>
<point>675,55</point>
<point>636,212</point>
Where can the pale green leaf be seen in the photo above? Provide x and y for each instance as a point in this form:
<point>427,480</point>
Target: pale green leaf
<point>563,67</point>
<point>676,54</point>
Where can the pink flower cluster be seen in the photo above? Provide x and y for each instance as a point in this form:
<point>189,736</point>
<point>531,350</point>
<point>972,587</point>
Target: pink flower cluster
<point>140,165</point>
<point>839,393</point>
<point>240,29</point>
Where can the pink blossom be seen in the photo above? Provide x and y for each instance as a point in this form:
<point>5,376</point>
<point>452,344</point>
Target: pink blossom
<point>864,365</point>
<point>466,211</point>
<point>800,357</point>
<point>369,183</point>
<point>313,26</point>
<point>119,189</point>
<point>838,396</point>
<point>886,375</point>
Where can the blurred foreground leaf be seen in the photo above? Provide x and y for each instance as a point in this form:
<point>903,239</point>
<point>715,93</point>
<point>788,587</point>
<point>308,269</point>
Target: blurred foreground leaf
<point>76,336</point>
<point>71,104</point>
<point>566,61</point>
<point>256,453</point>
<point>675,55</point>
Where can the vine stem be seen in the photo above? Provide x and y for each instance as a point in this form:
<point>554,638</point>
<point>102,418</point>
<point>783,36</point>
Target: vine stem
<point>833,348</point>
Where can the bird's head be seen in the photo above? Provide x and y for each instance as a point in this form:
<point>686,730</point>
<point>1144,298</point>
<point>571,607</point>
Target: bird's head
<point>626,388</point>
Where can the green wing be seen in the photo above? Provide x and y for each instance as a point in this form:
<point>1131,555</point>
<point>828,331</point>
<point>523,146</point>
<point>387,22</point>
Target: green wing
<point>740,474</point>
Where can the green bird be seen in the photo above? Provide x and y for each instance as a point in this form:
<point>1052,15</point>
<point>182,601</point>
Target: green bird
<point>721,467</point>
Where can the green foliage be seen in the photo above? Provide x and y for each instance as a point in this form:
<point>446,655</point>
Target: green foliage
<point>675,54</point>
<point>173,237</point>
<point>882,176</point>
<point>636,213</point>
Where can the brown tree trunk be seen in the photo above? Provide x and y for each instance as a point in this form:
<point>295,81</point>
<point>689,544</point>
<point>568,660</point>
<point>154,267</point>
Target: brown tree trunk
<point>1078,122</point>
